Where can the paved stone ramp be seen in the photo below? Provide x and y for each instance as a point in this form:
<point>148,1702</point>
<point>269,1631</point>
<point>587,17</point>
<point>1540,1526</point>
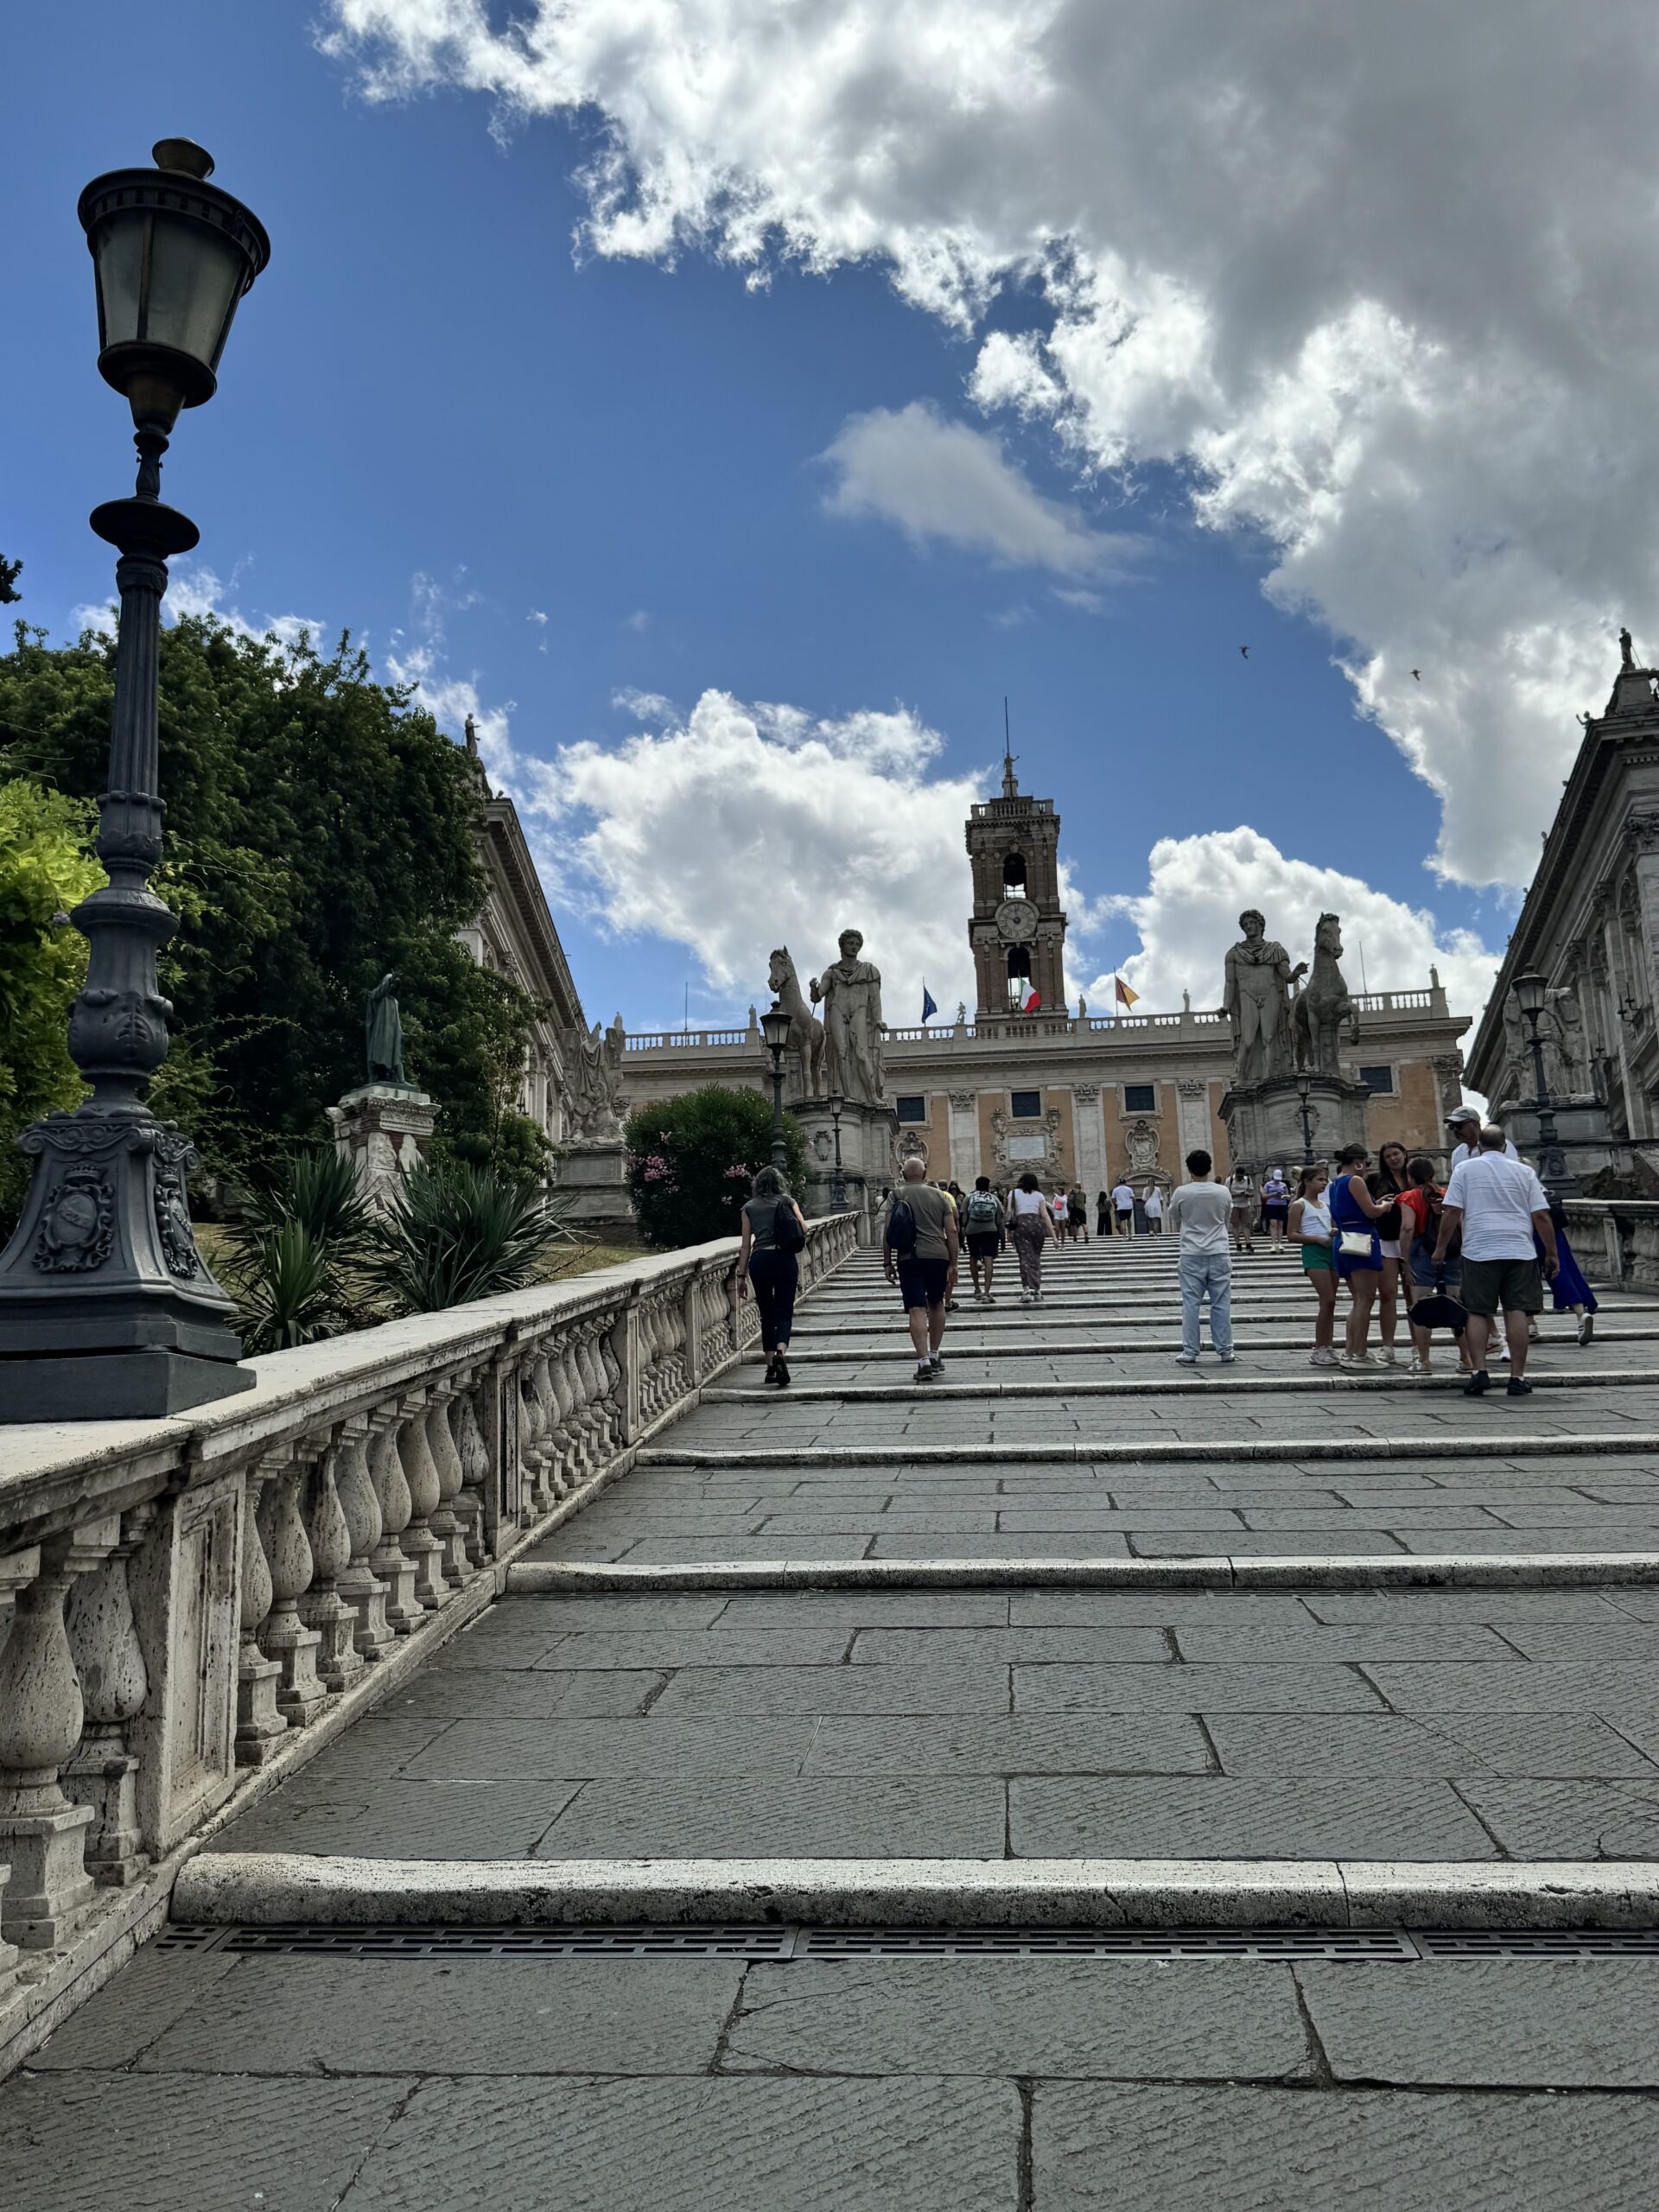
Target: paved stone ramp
<point>1004,1721</point>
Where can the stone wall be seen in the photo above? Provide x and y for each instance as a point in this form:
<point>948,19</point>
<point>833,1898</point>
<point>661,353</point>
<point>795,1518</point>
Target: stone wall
<point>1615,1240</point>
<point>191,1607</point>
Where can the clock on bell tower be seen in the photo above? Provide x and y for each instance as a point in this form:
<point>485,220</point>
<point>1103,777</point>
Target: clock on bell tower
<point>1018,926</point>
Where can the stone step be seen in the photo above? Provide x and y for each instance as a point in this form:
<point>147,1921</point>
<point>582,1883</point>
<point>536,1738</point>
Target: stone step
<point>1537,1570</point>
<point>1436,1444</point>
<point>1195,1383</point>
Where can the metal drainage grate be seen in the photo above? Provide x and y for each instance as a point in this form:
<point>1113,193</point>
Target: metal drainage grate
<point>794,1942</point>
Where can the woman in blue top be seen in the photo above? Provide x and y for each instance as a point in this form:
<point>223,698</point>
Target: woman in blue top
<point>1354,1212</point>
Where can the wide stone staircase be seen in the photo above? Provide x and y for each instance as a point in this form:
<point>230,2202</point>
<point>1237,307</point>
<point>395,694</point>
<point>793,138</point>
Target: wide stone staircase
<point>1080,1782</point>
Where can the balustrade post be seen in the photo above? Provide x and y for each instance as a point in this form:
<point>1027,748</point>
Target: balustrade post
<point>445,1523</point>
<point>299,1696</point>
<point>624,1348</point>
<point>472,1507</point>
<point>692,1306</point>
<point>322,1608</point>
<point>43,1834</point>
<point>114,1683</point>
<point>538,1413</point>
<point>391,1566</point>
<point>17,1571</point>
<point>567,1429</point>
<point>260,1726</point>
<point>506,1441</point>
<point>357,1584</point>
<point>420,1545</point>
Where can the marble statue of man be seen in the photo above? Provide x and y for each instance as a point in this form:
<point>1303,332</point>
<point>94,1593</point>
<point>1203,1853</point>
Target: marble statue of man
<point>382,1033</point>
<point>1259,977</point>
<point>850,994</point>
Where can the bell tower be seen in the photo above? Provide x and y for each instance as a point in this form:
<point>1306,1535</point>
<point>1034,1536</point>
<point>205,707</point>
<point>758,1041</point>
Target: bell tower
<point>1018,927</point>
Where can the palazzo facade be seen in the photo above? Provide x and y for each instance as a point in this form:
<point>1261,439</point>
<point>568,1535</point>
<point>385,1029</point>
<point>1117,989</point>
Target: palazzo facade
<point>1076,1097</point>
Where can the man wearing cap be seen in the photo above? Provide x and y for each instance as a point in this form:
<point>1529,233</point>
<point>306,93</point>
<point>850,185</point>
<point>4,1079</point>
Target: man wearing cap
<point>1465,1125</point>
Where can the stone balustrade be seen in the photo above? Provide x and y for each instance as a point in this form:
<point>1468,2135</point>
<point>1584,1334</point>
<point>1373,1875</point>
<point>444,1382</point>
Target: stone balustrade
<point>187,1607</point>
<point>1615,1240</point>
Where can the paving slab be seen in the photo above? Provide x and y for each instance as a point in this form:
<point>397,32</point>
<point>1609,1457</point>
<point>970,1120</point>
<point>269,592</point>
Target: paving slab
<point>1015,1743</point>
<point>1084,2018</point>
<point>730,2145</point>
<point>402,1819</point>
<point>657,1744</point>
<point>1108,2148</point>
<point>1247,1688</point>
<point>821,1816</point>
<point>1132,1817</point>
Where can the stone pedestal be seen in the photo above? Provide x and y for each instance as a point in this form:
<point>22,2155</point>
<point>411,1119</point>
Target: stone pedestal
<point>867,1167</point>
<point>1587,1144</point>
<point>383,1129</point>
<point>592,1186</point>
<point>1264,1120</point>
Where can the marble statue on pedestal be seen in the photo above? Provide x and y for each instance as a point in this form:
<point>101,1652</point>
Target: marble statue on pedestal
<point>594,1103</point>
<point>850,994</point>
<point>1259,977</point>
<point>382,1034</point>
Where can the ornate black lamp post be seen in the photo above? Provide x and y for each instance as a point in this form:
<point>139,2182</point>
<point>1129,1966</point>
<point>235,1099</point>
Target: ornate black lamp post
<point>1530,992</point>
<point>107,1309</point>
<point>774,1027</point>
<point>1304,1087</point>
<point>838,1187</point>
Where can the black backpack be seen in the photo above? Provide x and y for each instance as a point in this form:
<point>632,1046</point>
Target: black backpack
<point>787,1233</point>
<point>901,1228</point>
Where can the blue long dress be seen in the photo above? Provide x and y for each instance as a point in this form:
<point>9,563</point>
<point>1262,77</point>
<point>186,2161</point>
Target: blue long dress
<point>1346,1213</point>
<point>1569,1287</point>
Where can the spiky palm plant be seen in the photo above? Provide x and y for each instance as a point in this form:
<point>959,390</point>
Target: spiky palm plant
<point>290,1291</point>
<point>459,1233</point>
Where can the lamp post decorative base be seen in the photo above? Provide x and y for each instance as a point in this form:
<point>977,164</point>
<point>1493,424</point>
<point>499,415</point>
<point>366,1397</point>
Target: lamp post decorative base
<point>107,1310</point>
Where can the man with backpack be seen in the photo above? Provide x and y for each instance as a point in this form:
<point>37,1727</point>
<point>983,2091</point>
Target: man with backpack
<point>983,1226</point>
<point>918,1252</point>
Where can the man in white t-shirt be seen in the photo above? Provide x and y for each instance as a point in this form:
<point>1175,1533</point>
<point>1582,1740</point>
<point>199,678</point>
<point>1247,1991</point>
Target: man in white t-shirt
<point>1465,1126</point>
<point>1123,1207</point>
<point>1199,1211</point>
<point>1153,1205</point>
<point>1499,1205</point>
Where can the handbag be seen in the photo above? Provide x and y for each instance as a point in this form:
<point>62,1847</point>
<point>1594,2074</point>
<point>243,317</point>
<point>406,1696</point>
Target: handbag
<point>1355,1243</point>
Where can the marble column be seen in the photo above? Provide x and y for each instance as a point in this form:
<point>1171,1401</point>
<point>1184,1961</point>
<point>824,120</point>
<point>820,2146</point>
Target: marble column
<point>964,1137</point>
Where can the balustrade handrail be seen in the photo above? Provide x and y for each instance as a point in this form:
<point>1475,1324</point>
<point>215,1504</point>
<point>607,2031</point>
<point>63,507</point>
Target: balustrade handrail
<point>178,1596</point>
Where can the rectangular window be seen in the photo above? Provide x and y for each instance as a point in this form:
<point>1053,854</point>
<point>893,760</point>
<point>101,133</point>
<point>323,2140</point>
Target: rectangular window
<point>1140,1098</point>
<point>1027,1105</point>
<point>911,1109</point>
<point>1379,1079</point>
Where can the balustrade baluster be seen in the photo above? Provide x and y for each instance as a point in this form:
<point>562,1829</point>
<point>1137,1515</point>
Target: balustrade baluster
<point>390,1563</point>
<point>358,1586</point>
<point>591,1412</point>
<point>611,1406</point>
<point>446,1460</point>
<point>539,1449</point>
<point>322,1608</point>
<point>114,1683</point>
<point>285,1639</point>
<point>475,1471</point>
<point>418,1542</point>
<point>43,1834</point>
<point>259,1724</point>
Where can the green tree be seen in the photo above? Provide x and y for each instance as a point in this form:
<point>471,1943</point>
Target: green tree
<point>46,867</point>
<point>9,572</point>
<point>690,1160</point>
<point>321,830</point>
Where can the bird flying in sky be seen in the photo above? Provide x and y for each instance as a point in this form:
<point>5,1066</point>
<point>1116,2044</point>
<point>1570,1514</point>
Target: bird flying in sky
<point>1417,674</point>
<point>1244,652</point>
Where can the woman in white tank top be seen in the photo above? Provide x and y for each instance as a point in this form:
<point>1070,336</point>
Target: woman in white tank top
<point>1310,1224</point>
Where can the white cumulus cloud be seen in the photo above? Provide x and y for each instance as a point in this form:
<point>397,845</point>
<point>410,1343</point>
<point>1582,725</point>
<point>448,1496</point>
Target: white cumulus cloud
<point>946,481</point>
<point>1379,282</point>
<point>1197,887</point>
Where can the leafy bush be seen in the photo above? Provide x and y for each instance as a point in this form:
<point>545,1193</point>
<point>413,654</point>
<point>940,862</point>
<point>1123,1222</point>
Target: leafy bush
<point>459,1233</point>
<point>691,1159</point>
<point>297,1253</point>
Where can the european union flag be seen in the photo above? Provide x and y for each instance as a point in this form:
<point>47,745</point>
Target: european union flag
<point>928,1008</point>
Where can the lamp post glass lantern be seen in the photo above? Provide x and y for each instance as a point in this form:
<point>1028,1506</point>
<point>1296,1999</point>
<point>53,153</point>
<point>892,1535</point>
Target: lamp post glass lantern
<point>1531,990</point>
<point>107,1310</point>
<point>774,1027</point>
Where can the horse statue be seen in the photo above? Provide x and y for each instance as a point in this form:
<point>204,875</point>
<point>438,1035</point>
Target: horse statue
<point>1323,1004</point>
<point>805,1031</point>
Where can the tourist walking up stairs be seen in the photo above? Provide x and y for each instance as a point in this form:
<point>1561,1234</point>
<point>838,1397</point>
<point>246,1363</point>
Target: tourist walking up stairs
<point>918,1252</point>
<point>1031,1225</point>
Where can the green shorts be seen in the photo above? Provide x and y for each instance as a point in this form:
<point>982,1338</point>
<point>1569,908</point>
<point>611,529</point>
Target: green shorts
<point>1491,1287</point>
<point>1316,1257</point>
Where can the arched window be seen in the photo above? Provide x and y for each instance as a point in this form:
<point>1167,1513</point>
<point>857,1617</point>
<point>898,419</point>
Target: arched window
<point>1014,876</point>
<point>1019,977</point>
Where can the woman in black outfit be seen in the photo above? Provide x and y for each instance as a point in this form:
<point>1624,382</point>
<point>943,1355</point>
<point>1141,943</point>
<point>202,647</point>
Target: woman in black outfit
<point>774,1274</point>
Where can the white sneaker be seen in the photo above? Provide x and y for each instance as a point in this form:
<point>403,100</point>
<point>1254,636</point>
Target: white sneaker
<point>1418,1366</point>
<point>1356,1359</point>
<point>1385,1355</point>
<point>1186,1359</point>
<point>1225,1358</point>
<point>1322,1356</point>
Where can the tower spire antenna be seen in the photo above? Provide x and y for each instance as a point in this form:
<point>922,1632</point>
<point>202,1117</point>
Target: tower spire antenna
<point>1010,786</point>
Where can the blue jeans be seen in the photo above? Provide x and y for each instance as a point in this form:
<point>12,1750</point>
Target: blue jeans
<point>1206,1274</point>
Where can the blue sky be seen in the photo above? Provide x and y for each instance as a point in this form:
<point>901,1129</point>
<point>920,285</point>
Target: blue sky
<point>562,481</point>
